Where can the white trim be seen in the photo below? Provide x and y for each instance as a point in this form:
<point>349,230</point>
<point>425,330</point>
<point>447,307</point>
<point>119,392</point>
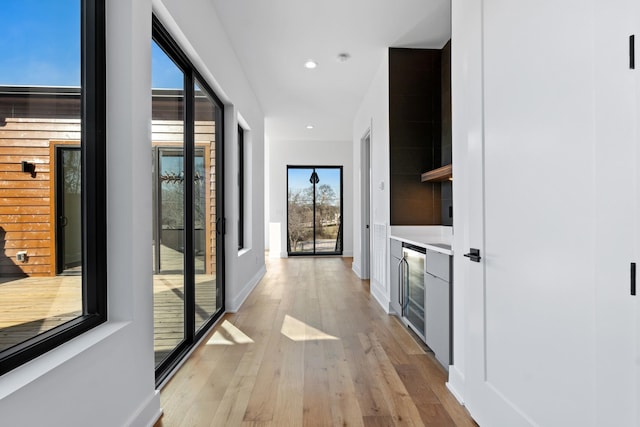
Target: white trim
<point>365,205</point>
<point>234,305</point>
<point>65,353</point>
<point>356,269</point>
<point>456,383</point>
<point>148,413</point>
<point>380,295</point>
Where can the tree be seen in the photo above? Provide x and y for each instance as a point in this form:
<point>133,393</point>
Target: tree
<point>326,207</point>
<point>300,216</point>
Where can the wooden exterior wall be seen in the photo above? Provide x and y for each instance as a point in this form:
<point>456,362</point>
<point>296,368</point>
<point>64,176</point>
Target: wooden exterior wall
<point>33,121</point>
<point>27,214</point>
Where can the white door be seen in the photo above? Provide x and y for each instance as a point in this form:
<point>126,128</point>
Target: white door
<point>551,331</point>
<point>616,118</point>
<point>637,199</point>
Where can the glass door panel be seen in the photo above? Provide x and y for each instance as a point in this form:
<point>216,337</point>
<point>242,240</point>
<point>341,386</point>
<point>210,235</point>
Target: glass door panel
<point>169,215</point>
<point>300,211</point>
<point>328,233</point>
<point>208,293</point>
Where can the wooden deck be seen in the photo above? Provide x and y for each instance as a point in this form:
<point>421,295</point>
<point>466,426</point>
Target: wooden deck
<point>32,305</point>
<point>168,309</point>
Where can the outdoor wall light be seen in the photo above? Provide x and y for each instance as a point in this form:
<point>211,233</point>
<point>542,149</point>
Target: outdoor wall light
<point>30,168</point>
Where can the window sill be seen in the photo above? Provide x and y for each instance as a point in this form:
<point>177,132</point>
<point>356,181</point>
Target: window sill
<point>42,365</point>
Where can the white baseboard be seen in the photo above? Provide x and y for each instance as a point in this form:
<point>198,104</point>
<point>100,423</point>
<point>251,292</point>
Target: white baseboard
<point>456,383</point>
<point>148,413</point>
<point>379,294</point>
<point>237,302</point>
<point>356,269</point>
<point>278,254</point>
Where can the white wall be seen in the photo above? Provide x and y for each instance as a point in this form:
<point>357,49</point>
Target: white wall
<point>106,376</point>
<point>303,153</point>
<point>373,114</point>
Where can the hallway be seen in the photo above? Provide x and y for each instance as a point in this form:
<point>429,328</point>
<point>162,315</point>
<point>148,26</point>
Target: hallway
<point>310,347</point>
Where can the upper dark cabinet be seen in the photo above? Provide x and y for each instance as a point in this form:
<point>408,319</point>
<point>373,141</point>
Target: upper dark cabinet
<point>419,134</point>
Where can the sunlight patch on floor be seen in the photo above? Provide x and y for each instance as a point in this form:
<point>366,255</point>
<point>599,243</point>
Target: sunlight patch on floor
<point>228,334</point>
<point>296,330</point>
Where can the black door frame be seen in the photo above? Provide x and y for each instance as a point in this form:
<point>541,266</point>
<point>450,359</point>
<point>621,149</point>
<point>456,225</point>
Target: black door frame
<point>339,238</point>
<point>191,77</point>
<point>60,204</point>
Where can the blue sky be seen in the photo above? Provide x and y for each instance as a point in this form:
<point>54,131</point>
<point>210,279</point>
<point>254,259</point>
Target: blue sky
<point>40,42</point>
<point>164,72</point>
<point>40,45</point>
<point>299,178</point>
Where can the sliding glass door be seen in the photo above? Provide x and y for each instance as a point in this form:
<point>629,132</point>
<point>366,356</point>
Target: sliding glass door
<point>314,210</point>
<point>187,204</point>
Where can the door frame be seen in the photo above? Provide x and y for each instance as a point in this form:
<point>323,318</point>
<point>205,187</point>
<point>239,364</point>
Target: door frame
<point>157,148</point>
<point>54,146</point>
<point>315,253</point>
<point>365,205</point>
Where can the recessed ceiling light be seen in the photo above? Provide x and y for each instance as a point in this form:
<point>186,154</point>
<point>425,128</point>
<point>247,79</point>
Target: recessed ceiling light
<point>309,126</point>
<point>311,64</point>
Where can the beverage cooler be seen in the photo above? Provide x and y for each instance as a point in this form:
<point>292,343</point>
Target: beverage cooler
<point>412,292</point>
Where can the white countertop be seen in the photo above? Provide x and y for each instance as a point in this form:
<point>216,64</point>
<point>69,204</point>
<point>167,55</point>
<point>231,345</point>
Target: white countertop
<point>435,238</point>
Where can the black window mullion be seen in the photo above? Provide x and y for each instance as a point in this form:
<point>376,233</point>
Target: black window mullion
<point>189,224</point>
<point>94,210</point>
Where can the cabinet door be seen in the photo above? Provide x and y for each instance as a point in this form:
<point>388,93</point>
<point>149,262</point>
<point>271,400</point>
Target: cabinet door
<point>437,317</point>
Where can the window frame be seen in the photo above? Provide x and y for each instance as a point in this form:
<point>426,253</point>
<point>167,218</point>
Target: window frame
<point>241,186</point>
<point>94,221</point>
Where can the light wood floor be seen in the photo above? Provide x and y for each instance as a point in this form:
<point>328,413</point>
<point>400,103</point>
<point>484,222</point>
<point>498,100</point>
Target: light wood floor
<point>310,347</point>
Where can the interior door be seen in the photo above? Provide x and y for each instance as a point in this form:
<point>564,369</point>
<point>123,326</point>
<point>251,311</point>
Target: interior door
<point>549,310</point>
<point>616,118</point>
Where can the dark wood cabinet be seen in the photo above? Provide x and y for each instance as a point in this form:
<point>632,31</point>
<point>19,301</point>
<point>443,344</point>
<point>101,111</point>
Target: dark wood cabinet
<point>419,131</point>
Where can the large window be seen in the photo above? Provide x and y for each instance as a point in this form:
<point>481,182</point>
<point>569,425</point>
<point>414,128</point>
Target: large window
<point>52,175</point>
<point>187,203</point>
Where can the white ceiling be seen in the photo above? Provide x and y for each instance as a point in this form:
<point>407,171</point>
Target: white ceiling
<point>274,38</point>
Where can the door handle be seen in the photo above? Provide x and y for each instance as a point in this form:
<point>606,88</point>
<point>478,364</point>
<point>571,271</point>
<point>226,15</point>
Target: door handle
<point>474,255</point>
<point>405,286</point>
<point>400,279</point>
